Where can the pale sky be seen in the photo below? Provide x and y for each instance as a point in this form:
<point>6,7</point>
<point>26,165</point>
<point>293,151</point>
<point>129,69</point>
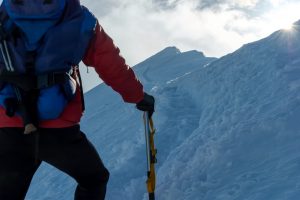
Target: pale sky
<point>141,28</point>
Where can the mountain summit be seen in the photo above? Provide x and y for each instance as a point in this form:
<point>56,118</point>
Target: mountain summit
<point>170,64</point>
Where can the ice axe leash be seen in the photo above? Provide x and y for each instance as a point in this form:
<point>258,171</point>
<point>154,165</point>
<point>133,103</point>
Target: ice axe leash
<point>151,155</point>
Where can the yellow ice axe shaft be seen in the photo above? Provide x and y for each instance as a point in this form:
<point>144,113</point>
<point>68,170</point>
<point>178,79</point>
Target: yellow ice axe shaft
<point>151,155</point>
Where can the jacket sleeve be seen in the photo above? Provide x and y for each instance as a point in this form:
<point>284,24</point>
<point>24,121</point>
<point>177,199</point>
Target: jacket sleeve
<point>105,57</point>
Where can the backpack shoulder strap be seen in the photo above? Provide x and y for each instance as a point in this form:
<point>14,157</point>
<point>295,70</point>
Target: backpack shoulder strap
<point>77,73</point>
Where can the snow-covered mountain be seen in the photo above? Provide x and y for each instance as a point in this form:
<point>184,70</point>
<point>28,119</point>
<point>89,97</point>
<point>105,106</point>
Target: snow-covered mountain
<point>227,128</point>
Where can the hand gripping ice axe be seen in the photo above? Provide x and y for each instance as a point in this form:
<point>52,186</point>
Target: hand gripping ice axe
<point>151,154</point>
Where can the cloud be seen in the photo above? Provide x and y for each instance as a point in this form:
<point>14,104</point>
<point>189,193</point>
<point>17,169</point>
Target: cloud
<point>217,27</point>
<point>230,4</point>
<point>210,4</point>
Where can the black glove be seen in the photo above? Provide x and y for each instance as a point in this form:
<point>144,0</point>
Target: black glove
<point>147,104</point>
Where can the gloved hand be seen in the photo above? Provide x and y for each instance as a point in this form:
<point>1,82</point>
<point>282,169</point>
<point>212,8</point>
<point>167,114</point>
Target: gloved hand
<point>146,104</point>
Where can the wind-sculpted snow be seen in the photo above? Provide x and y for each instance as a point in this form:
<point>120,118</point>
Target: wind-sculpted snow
<point>227,129</point>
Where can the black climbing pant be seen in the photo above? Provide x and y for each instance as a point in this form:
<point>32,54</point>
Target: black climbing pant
<point>67,149</point>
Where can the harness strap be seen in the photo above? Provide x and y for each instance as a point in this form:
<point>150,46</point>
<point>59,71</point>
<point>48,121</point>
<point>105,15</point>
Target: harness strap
<point>34,82</point>
<point>18,2</point>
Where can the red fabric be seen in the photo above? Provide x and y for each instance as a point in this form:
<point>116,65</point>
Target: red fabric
<point>111,67</point>
<point>105,57</point>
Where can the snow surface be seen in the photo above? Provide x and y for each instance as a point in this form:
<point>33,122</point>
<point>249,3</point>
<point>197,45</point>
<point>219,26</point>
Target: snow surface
<point>227,129</point>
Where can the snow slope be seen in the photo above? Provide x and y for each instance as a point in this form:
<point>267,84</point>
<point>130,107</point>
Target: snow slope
<point>246,143</point>
<point>227,129</point>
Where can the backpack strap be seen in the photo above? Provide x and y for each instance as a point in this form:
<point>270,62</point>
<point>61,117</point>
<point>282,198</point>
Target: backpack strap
<point>79,81</point>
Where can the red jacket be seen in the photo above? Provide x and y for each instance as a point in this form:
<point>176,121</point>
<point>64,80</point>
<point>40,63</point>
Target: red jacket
<point>105,57</point>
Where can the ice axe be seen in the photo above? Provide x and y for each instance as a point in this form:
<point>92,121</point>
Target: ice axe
<point>151,155</point>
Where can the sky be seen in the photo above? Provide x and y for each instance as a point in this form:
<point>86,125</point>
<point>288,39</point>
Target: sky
<point>141,28</point>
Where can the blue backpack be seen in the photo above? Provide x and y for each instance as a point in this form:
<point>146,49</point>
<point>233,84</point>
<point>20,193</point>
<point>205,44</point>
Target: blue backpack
<point>41,41</point>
